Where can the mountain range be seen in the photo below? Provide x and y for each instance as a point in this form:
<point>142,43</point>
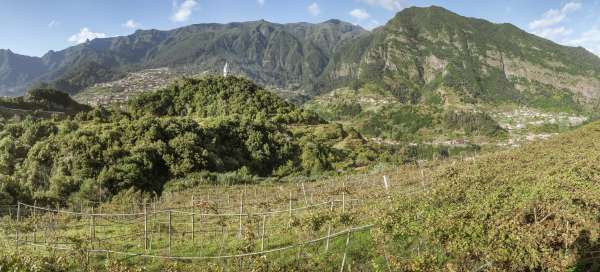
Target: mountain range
<point>422,54</point>
<point>286,56</point>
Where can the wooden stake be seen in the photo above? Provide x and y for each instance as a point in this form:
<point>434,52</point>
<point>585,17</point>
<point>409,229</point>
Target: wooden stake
<point>332,203</point>
<point>345,251</point>
<point>18,223</point>
<point>328,237</point>
<point>193,221</point>
<point>145,227</point>
<point>423,179</point>
<point>343,202</point>
<point>170,232</point>
<point>241,214</point>
<point>34,222</point>
<point>262,238</point>
<point>290,210</point>
<point>304,192</point>
<point>385,184</point>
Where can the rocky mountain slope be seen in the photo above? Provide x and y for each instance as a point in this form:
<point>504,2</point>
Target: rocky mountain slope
<point>425,52</point>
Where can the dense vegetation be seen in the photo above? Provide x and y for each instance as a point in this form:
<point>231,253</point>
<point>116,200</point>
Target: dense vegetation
<point>44,100</point>
<point>197,127</point>
<point>478,123</point>
<point>379,113</point>
<point>532,209</point>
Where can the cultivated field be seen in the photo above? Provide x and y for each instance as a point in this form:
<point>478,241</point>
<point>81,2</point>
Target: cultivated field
<point>301,226</point>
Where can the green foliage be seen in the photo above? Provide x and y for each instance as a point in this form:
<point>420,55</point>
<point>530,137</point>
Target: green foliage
<point>207,130</point>
<point>43,99</point>
<point>478,123</point>
<point>527,209</point>
<point>398,123</point>
<point>213,96</point>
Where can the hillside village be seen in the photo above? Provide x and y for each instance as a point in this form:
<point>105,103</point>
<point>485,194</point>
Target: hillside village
<point>122,90</point>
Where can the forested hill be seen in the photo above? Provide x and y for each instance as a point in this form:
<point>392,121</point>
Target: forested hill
<point>211,129</point>
<point>214,96</point>
<point>41,101</point>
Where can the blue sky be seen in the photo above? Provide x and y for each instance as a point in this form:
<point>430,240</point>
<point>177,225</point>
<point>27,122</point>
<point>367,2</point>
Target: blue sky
<point>32,27</point>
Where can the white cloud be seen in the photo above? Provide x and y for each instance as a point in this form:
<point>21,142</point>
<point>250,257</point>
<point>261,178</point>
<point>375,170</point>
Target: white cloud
<point>554,33</point>
<point>261,2</point>
<point>553,16</point>
<point>360,14</point>
<point>547,25</point>
<point>183,11</point>
<point>589,39</point>
<point>131,24</point>
<point>393,5</point>
<point>84,35</point>
<point>53,24</point>
<point>314,9</point>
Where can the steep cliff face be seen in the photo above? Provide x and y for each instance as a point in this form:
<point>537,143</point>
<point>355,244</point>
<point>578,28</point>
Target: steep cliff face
<point>433,50</point>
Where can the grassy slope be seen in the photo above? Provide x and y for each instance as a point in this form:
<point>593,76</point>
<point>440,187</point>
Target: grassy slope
<point>530,209</point>
<point>534,208</point>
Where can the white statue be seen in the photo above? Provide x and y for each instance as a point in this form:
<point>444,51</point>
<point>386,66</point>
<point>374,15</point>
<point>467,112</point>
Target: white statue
<point>226,69</point>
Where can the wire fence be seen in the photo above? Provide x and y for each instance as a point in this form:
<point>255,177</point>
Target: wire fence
<point>248,226</point>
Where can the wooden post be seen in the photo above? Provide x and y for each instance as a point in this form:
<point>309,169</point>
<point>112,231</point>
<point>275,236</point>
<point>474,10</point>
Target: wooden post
<point>328,236</point>
<point>262,238</point>
<point>345,251</point>
<point>157,220</point>
<point>46,230</point>
<point>423,179</point>
<point>241,214</point>
<point>332,203</point>
<point>92,228</point>
<point>170,232</point>
<point>18,223</point>
<point>290,210</point>
<point>385,184</point>
<point>304,192</point>
<point>343,201</point>
<point>145,227</point>
<point>34,222</point>
<point>193,220</point>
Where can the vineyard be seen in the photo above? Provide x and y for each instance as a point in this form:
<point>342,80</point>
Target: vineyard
<point>241,227</point>
<point>528,209</point>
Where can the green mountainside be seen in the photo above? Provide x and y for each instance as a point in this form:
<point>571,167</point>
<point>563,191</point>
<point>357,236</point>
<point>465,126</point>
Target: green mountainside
<point>288,56</point>
<point>431,52</point>
<point>529,209</point>
<point>411,79</point>
<point>421,55</point>
<point>226,128</point>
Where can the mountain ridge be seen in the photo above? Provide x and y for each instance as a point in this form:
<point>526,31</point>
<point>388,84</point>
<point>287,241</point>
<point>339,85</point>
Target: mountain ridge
<point>243,43</point>
<point>435,51</point>
<point>420,52</point>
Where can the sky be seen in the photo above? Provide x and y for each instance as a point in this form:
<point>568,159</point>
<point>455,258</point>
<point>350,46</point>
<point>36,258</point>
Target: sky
<point>33,27</point>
